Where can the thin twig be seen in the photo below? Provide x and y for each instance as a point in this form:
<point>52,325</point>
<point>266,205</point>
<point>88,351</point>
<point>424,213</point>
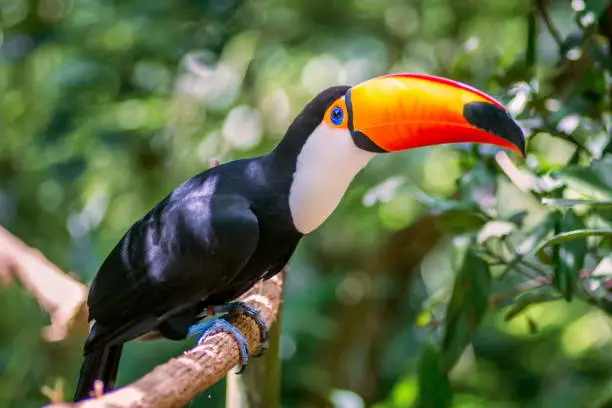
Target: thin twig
<point>535,267</point>
<point>541,7</point>
<point>520,288</point>
<point>514,263</point>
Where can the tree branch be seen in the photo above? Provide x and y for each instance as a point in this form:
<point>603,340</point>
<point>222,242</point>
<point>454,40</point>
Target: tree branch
<point>178,381</point>
<point>58,294</point>
<point>541,7</point>
<point>260,385</point>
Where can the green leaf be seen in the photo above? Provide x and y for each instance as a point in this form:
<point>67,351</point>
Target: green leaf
<point>595,6</point>
<point>461,222</point>
<point>595,180</point>
<point>527,299</point>
<point>495,229</point>
<point>454,216</point>
<point>569,253</point>
<point>544,258</point>
<point>434,386</point>
<point>604,213</point>
<point>467,307</point>
<point>566,237</point>
<point>573,235</point>
<point>562,202</point>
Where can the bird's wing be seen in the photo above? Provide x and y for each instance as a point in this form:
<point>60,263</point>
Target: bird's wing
<point>184,250</point>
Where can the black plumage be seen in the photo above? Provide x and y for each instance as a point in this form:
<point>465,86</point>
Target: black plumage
<point>205,244</point>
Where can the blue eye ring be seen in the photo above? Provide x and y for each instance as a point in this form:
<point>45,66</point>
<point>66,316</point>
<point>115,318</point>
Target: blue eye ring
<point>336,115</point>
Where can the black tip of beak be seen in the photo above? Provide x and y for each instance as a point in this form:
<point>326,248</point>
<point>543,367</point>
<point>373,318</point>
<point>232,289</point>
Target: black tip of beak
<point>495,120</point>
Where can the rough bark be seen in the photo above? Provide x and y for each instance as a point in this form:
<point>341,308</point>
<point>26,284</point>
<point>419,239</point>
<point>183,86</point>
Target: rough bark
<point>178,381</point>
<point>260,385</point>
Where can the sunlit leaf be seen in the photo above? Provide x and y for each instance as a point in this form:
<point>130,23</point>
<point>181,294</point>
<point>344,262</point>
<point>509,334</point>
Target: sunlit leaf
<point>522,179</point>
<point>533,326</point>
<point>466,308</point>
<point>434,387</point>
<point>423,319</point>
<point>495,229</point>
<point>527,299</point>
<point>569,254</point>
<point>604,267</point>
<point>404,394</point>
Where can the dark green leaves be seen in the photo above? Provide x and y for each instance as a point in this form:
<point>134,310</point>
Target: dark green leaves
<point>467,307</point>
<point>454,216</point>
<point>434,387</point>
<point>459,222</point>
<point>569,255</point>
<point>594,6</point>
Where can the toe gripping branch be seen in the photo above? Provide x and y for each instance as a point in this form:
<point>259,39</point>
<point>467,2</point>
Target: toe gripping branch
<point>221,324</point>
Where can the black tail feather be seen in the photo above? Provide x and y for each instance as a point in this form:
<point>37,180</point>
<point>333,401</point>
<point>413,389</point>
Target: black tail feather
<point>101,364</point>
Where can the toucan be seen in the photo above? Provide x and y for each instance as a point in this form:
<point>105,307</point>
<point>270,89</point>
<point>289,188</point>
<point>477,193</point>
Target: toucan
<point>234,224</point>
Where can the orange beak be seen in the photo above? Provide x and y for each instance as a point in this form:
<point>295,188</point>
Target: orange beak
<point>406,111</point>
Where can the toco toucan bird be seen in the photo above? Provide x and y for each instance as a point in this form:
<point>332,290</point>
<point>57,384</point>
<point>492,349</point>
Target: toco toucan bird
<point>232,225</point>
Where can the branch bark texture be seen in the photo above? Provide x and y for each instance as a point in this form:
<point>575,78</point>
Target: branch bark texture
<point>58,294</point>
<point>178,381</point>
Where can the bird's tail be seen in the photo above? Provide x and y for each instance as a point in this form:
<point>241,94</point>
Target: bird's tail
<point>100,364</point>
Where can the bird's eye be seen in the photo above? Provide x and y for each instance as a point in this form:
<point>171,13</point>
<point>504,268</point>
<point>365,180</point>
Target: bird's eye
<point>337,115</point>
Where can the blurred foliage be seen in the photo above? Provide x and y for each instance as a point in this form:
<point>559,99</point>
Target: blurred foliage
<point>105,106</point>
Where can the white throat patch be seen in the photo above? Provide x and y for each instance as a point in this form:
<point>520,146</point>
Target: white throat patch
<point>329,160</point>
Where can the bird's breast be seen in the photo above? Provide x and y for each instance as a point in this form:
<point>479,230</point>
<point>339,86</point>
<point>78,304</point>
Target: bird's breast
<point>326,165</point>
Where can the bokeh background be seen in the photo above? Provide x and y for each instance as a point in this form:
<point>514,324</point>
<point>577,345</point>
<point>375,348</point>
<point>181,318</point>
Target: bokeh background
<point>106,106</point>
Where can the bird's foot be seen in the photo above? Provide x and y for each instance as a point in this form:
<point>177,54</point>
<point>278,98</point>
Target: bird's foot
<point>235,308</point>
<point>219,325</point>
